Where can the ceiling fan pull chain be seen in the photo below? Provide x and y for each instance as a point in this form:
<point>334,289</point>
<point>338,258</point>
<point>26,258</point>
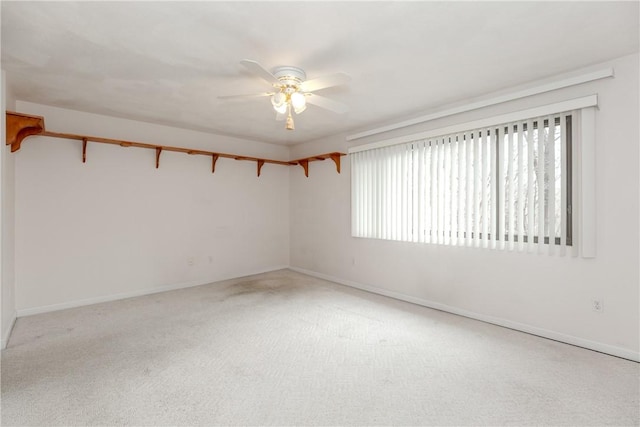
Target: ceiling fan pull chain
<point>289,125</point>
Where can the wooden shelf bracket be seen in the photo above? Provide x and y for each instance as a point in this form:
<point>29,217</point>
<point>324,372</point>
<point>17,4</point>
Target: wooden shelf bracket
<point>214,159</point>
<point>84,150</point>
<point>336,159</point>
<point>158,152</point>
<point>305,165</point>
<point>20,126</point>
<point>260,163</point>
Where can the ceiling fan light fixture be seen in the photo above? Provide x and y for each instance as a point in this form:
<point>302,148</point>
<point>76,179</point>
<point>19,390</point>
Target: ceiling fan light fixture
<point>281,109</point>
<point>298,101</point>
<point>278,100</point>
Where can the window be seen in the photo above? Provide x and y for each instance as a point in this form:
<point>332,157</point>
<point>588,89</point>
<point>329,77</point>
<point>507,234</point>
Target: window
<point>501,186</point>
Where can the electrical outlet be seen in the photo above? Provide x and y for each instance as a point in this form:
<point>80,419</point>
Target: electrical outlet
<point>597,305</point>
<point>191,261</point>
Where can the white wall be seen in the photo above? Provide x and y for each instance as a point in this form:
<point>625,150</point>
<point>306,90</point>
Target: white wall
<point>546,295</point>
<point>7,272</point>
<point>117,226</point>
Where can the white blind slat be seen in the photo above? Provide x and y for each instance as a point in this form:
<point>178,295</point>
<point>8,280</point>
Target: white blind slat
<point>398,190</point>
<point>485,187</point>
<point>365,198</point>
<point>482,194</point>
<point>450,191</point>
<point>455,167</point>
<point>511,190</point>
<point>434,199</point>
<point>415,195</point>
<point>493,224</point>
<point>542,136</point>
<point>520,176</point>
<point>363,170</point>
<point>363,194</point>
<point>563,188</point>
<point>439,191</point>
<point>469,190</point>
<point>530,186</point>
<point>384,164</point>
<point>475,227</point>
<point>420,192</point>
<point>502,189</point>
<point>354,197</point>
<point>370,195</point>
<point>375,193</point>
<point>552,185</point>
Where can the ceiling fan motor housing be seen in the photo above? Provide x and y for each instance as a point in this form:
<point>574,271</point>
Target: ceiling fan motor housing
<point>289,75</point>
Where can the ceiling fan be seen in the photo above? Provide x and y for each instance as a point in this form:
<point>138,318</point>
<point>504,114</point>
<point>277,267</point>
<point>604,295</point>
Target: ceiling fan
<point>292,91</point>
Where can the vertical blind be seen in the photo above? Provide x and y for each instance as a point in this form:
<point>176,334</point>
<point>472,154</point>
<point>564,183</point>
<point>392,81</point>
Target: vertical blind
<point>504,187</point>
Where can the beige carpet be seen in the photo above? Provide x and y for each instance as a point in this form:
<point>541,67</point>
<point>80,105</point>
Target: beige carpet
<point>287,349</point>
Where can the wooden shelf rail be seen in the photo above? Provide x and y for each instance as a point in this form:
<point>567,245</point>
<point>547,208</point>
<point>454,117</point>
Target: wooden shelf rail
<point>19,126</point>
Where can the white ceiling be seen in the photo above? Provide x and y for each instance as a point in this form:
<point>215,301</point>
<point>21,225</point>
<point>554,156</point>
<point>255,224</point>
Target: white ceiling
<point>166,62</point>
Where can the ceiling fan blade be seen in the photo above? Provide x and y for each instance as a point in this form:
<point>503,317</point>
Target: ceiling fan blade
<point>281,116</point>
<point>259,71</point>
<point>325,82</point>
<point>252,95</point>
<point>327,104</point>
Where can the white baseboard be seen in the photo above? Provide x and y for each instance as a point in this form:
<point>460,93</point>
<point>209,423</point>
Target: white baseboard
<point>545,333</point>
<point>147,291</point>
<point>6,333</point>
